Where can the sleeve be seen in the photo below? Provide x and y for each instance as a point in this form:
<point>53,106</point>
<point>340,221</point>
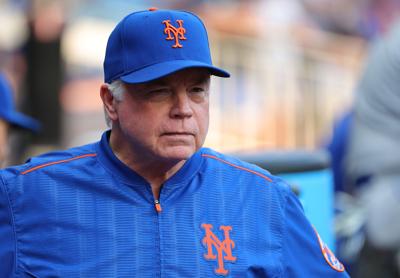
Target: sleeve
<point>7,236</point>
<point>304,253</point>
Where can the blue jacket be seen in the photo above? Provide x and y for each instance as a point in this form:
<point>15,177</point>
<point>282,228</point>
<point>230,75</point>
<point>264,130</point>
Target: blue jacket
<point>83,213</point>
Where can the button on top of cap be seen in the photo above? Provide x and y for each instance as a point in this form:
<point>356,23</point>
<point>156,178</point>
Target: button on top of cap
<point>152,9</point>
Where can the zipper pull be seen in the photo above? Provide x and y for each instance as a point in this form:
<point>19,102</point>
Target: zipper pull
<point>158,206</point>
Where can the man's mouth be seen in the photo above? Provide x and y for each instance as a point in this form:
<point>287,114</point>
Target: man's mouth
<point>178,134</point>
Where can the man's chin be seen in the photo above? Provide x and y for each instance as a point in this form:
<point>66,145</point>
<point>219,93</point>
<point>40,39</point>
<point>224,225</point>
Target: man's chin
<point>178,153</point>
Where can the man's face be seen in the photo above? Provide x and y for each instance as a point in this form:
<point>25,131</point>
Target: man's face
<point>166,119</point>
<point>3,142</point>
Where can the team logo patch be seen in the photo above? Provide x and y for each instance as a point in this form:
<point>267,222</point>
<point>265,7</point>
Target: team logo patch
<point>330,258</point>
<point>175,33</point>
<point>222,248</point>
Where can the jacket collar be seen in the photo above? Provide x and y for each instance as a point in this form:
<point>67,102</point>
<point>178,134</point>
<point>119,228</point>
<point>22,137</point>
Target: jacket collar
<point>129,176</point>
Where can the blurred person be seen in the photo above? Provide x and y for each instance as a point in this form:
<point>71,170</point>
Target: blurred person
<point>9,117</point>
<point>45,67</point>
<point>369,163</point>
<point>148,200</point>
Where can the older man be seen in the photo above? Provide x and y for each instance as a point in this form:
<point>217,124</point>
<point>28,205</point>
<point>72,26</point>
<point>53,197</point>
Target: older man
<point>147,200</point>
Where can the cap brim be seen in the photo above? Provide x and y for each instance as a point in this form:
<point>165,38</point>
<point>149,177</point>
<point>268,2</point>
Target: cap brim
<point>163,69</point>
<point>20,120</point>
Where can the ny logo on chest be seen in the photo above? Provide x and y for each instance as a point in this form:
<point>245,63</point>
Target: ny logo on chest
<point>217,249</point>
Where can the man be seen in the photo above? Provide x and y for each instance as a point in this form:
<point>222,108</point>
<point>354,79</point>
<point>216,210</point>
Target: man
<point>148,200</point>
<point>9,117</point>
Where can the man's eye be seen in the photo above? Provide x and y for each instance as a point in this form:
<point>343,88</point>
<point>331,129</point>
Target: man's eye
<point>158,94</point>
<point>159,91</point>
<point>198,91</point>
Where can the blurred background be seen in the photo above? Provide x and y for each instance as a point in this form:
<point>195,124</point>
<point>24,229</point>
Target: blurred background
<point>295,65</point>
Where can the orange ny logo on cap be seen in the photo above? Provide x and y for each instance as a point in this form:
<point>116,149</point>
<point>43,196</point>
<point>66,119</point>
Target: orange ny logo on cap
<point>174,33</point>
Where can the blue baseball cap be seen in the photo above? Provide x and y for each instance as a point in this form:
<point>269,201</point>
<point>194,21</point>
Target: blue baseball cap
<point>151,44</point>
<point>8,112</point>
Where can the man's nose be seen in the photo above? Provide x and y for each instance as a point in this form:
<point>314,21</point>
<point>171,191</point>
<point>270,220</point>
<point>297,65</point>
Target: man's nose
<point>181,107</point>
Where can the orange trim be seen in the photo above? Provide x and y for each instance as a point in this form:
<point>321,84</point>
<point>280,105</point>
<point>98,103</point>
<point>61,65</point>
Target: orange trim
<point>238,167</point>
<point>57,162</point>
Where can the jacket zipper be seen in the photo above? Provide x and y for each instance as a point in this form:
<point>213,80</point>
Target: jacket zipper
<point>158,209</point>
<point>157,206</point>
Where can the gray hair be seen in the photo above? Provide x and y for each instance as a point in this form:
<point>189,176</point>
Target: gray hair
<point>117,89</point>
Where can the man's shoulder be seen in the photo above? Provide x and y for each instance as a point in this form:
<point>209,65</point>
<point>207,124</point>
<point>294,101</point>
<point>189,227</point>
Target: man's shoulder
<point>233,164</point>
<point>231,160</point>
<point>51,161</point>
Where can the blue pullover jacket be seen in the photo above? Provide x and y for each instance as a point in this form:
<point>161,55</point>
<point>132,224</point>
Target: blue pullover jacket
<point>83,213</point>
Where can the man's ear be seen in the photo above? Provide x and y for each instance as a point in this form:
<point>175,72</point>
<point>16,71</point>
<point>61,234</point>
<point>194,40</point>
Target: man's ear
<point>108,102</point>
